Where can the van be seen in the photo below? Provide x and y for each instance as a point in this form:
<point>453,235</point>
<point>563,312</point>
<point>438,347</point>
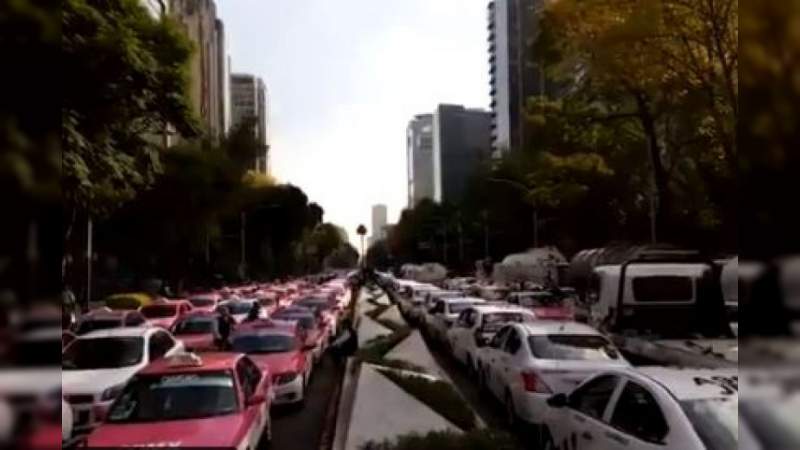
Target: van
<point>658,297</point>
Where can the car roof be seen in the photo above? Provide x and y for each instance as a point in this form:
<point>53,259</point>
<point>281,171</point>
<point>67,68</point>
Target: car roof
<point>496,308</point>
<point>652,269</point>
<point>211,362</point>
<point>544,327</point>
<point>457,300</point>
<point>121,332</point>
<point>688,383</point>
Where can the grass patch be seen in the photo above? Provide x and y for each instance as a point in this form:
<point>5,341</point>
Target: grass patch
<point>391,324</point>
<point>374,350</point>
<point>438,395</point>
<point>401,365</point>
<point>377,311</point>
<point>448,440</point>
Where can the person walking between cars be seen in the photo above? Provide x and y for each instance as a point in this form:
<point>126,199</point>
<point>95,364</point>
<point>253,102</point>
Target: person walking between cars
<point>254,313</point>
<point>225,325</point>
<point>346,344</point>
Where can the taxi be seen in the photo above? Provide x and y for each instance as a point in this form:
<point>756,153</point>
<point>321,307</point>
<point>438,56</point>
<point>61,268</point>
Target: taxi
<point>651,408</point>
<point>198,330</point>
<point>217,400</point>
<point>164,313</point>
<point>279,348</point>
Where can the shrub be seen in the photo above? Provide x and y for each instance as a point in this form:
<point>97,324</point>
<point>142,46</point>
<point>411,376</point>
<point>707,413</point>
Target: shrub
<point>448,440</point>
<point>438,395</point>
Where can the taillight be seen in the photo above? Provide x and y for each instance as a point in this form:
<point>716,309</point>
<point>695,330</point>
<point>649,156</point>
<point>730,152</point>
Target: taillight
<point>533,383</point>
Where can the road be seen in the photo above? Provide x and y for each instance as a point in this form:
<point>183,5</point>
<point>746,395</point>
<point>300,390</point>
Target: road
<point>302,429</point>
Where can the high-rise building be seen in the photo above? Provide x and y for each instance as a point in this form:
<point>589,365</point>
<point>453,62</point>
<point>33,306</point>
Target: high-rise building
<point>379,222</point>
<point>515,76</point>
<point>249,103</point>
<point>207,89</point>
<point>420,158</point>
<point>462,139</point>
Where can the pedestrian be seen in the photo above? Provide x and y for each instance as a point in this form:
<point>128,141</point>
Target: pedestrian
<point>346,344</point>
<point>254,313</point>
<point>225,325</point>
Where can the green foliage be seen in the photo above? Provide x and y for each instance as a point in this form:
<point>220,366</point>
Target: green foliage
<point>478,439</point>
<point>374,350</point>
<point>438,395</point>
<point>126,79</point>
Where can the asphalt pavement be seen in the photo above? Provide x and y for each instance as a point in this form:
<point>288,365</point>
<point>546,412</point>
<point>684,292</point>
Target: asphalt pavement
<point>302,429</point>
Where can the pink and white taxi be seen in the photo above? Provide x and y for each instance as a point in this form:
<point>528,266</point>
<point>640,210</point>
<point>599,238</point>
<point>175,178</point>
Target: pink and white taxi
<point>217,400</point>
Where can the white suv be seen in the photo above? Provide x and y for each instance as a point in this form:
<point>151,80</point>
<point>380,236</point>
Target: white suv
<point>478,324</point>
<point>96,367</point>
<point>524,364</point>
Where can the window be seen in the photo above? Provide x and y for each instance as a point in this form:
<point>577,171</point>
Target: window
<point>637,413</point>
<point>499,338</point>
<point>249,376</point>
<point>513,343</point>
<point>663,289</point>
<point>462,319</point>
<point>160,344</point>
<point>471,318</point>
<point>592,398</point>
<point>572,347</point>
<point>103,353</point>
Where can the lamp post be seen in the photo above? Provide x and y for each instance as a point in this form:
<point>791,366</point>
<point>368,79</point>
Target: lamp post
<point>362,231</point>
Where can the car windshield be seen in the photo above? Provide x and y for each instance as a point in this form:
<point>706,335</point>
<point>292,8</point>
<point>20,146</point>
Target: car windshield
<point>572,347</point>
<point>716,421</point>
<point>196,325</point>
<point>493,322</point>
<point>457,308</point>
<point>175,397</point>
<point>239,307</point>
<point>90,325</point>
<point>103,353</point>
<point>159,311</point>
<point>202,302</point>
<point>306,322</point>
<point>538,301</point>
<point>264,344</point>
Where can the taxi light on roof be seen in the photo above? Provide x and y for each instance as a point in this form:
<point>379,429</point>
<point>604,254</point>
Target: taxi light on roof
<point>184,360</point>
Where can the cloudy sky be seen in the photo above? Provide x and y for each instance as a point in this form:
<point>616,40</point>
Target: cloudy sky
<point>344,77</point>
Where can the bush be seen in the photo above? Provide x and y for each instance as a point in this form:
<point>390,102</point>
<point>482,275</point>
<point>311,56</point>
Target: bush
<point>438,395</point>
<point>447,440</point>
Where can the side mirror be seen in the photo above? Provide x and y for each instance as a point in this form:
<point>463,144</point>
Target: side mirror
<point>558,401</point>
<point>256,399</point>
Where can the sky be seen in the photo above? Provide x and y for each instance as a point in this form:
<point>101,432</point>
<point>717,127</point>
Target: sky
<point>344,77</point>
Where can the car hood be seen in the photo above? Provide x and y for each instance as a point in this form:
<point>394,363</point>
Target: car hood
<point>224,431</point>
<point>277,363</point>
<point>95,381</point>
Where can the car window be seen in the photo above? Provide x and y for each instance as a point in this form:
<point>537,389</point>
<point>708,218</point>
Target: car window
<point>103,353</point>
<point>471,313</point>
<point>637,413</point>
<point>499,338</point>
<point>462,319</point>
<point>573,347</point>
<point>513,343</point>
<point>592,398</point>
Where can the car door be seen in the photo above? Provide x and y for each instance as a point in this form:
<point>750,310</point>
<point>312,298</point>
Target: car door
<point>506,367</point>
<point>635,421</point>
<point>581,425</point>
<point>255,416</point>
<point>490,360</point>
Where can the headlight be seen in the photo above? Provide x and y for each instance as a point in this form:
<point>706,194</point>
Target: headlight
<point>112,393</point>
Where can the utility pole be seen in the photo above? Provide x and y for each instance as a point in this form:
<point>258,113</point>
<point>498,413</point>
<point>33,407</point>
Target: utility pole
<point>460,241</point>
<point>243,243</point>
<point>485,215</point>
<point>89,252</point>
<point>535,227</point>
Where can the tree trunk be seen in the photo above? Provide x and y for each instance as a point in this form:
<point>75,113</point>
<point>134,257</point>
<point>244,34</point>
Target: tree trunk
<point>660,176</point>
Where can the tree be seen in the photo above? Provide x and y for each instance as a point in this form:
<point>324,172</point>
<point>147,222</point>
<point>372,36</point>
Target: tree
<point>125,77</point>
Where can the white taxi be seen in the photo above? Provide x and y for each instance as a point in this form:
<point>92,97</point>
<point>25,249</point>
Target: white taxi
<point>96,367</point>
<point>654,408</point>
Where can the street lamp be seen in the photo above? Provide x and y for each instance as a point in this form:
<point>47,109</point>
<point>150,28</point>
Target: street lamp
<point>362,231</point>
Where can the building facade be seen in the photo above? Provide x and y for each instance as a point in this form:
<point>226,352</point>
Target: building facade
<point>249,103</point>
<point>462,140</point>
<point>208,90</point>
<point>379,223</point>
<point>419,157</point>
<point>514,76</point>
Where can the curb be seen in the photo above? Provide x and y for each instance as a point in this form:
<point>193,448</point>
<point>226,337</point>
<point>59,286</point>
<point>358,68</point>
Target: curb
<point>346,401</point>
